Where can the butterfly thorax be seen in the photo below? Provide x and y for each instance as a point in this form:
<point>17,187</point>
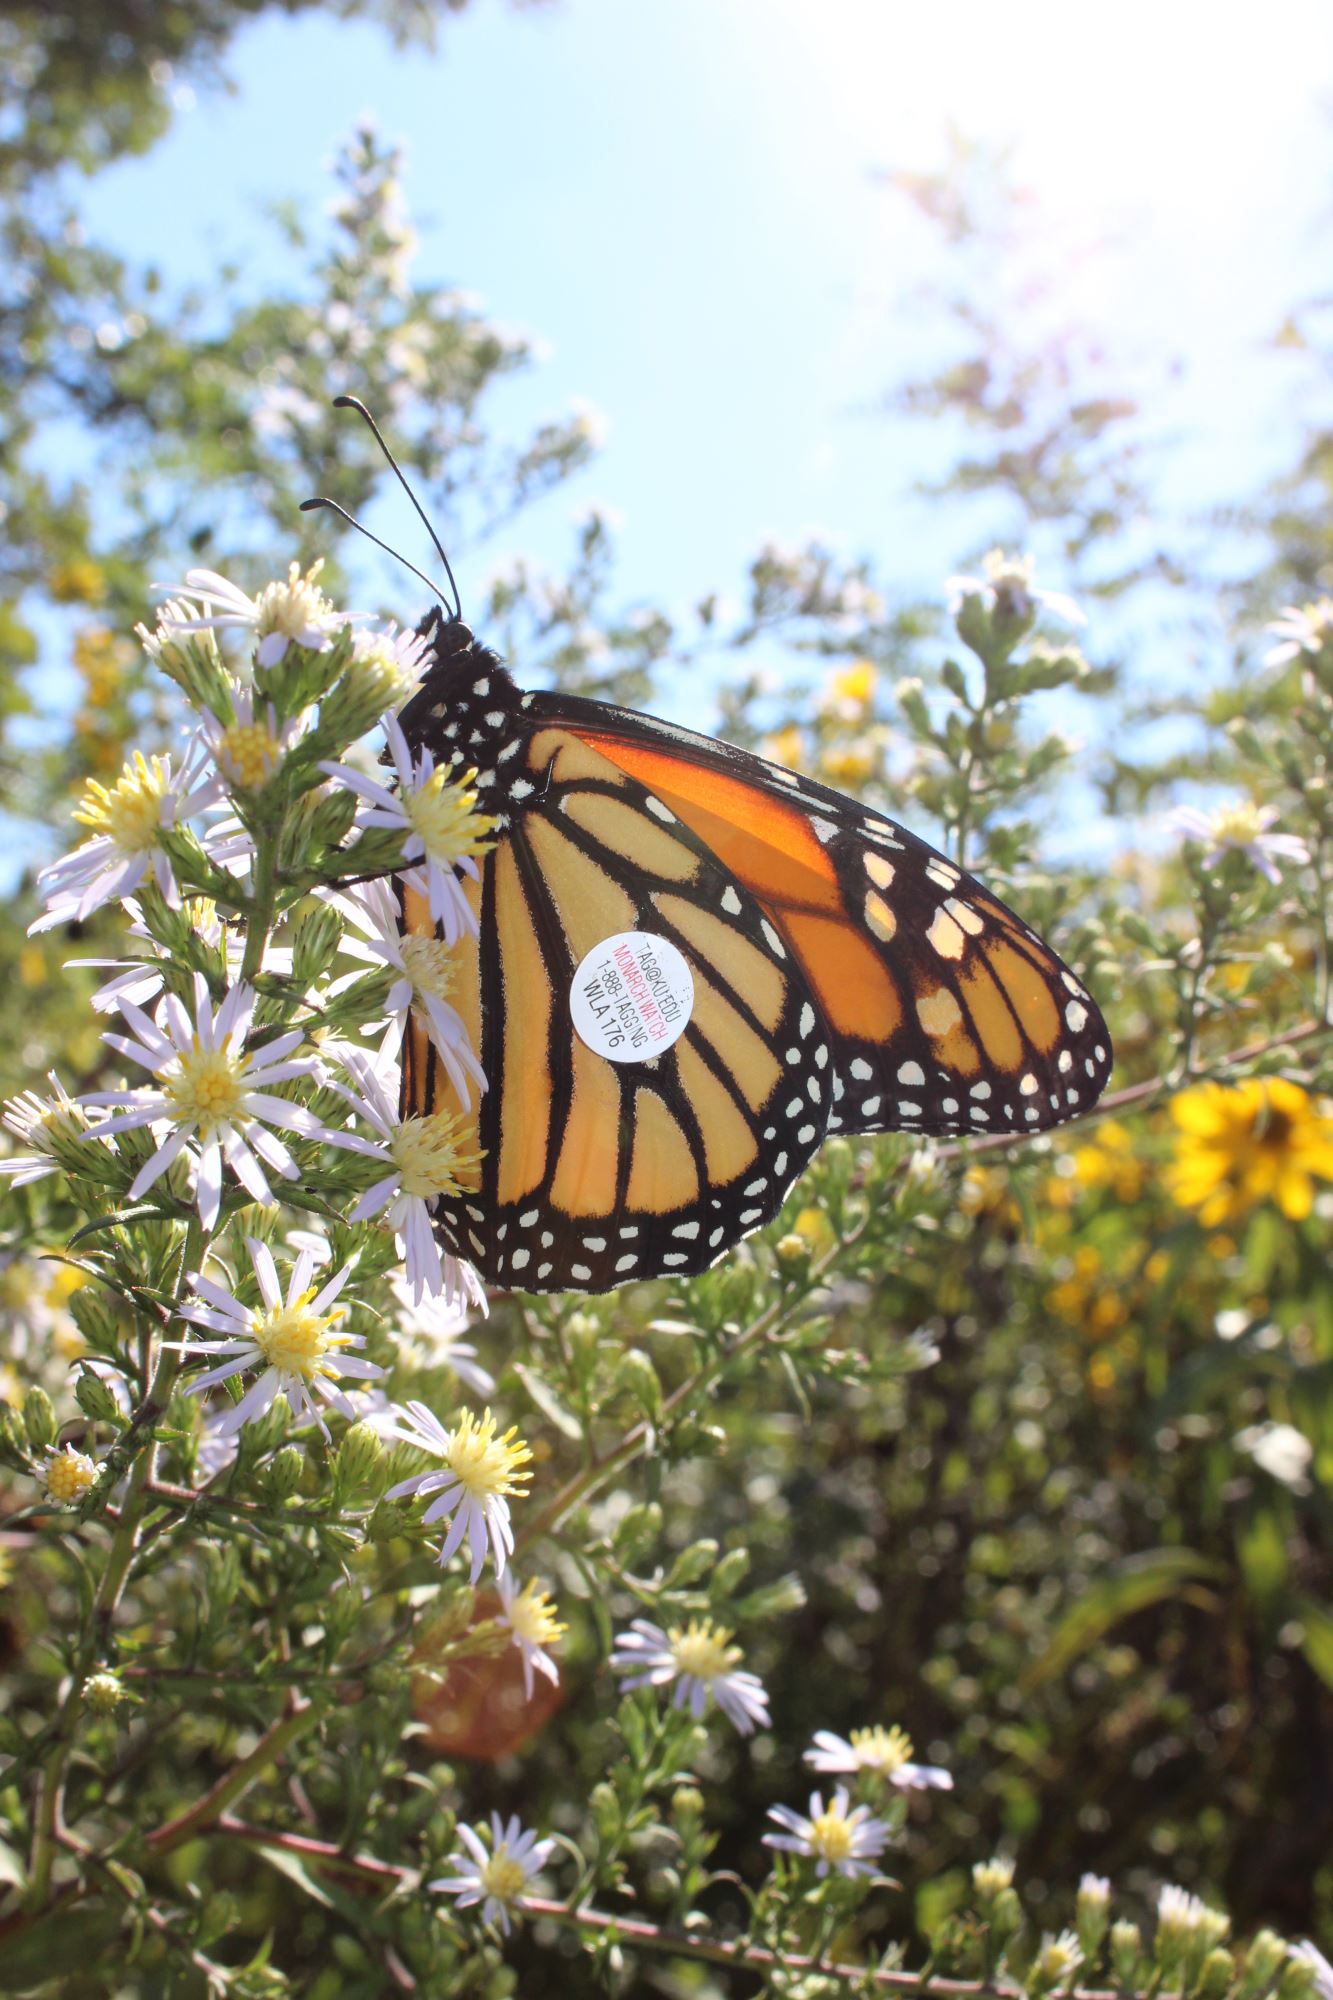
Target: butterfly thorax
<point>468,711</point>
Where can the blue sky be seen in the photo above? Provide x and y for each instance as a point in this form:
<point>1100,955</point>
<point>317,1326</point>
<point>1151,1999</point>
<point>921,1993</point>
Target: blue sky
<point>679,200</point>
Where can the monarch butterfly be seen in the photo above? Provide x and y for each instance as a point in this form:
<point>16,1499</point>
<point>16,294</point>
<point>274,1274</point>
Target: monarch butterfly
<point>691,966</point>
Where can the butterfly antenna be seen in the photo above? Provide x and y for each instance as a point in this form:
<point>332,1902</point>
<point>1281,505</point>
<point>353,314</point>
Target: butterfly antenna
<point>352,403</point>
<point>307,506</point>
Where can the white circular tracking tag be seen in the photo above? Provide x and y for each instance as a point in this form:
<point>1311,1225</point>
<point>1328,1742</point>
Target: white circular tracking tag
<point>631,997</point>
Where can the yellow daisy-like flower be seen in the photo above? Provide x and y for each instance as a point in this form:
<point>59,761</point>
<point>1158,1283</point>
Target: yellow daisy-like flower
<point>1264,1139</point>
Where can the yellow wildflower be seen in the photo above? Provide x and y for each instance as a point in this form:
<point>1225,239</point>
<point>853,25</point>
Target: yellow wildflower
<point>1259,1140</point>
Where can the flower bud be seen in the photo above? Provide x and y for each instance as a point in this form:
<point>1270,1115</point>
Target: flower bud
<point>793,1255</point>
<point>329,819</point>
<point>39,1418</point>
<point>636,1375</point>
<point>1093,1912</point>
<point>1299,1977</point>
<point>283,1474</point>
<point>1056,1961</point>
<point>1126,1952</point>
<point>1263,1961</point>
<point>357,1458</point>
<point>315,943</point>
<point>990,1877</point>
<point>1215,1976</point>
<point>95,1399</point>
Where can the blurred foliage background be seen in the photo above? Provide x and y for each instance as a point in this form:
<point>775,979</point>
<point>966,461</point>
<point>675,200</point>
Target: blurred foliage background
<point>1084,1558</point>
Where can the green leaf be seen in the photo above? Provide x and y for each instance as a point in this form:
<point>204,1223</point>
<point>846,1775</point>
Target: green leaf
<point>1130,1586</point>
<point>1317,1644</point>
<point>546,1400</point>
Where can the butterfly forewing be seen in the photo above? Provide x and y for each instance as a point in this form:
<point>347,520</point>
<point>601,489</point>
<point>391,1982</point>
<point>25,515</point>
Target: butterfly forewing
<point>846,976</point>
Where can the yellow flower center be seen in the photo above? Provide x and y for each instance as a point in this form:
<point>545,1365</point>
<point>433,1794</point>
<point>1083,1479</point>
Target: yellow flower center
<point>855,683</point>
<point>291,607</point>
<point>130,814</point>
<point>431,1155</point>
<point>703,1650</point>
<point>69,1475</point>
<point>208,1088</point>
<point>502,1876</point>
<point>880,1749</point>
<point>831,1836</point>
<point>248,753</point>
<point>484,1464</point>
<point>429,965</point>
<point>532,1617</point>
<point>1237,825</point>
<point>445,816</point>
<point>296,1340</point>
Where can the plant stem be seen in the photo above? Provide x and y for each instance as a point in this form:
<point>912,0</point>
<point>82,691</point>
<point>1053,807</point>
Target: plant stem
<point>233,1784</point>
<point>96,1640</point>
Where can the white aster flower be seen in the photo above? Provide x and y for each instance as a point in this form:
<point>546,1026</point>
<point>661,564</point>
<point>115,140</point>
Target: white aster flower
<point>424,1158</point>
<point>1241,828</point>
<point>297,1342</point>
<point>438,817</point>
<point>1182,1918</point>
<point>1301,628</point>
<point>1007,581</point>
<point>432,1327</point>
<point>211,1090</point>
<point>481,1472</point>
<point>1057,1959</point>
<point>885,1752</point>
<point>497,1876</point>
<point>295,611</point>
<point>701,1660</point>
<point>246,750</point>
<point>843,1842</point>
<point>1309,1954</point>
<point>33,1119</point>
<point>126,821</point>
<point>425,968</point>
<point>530,1615</point>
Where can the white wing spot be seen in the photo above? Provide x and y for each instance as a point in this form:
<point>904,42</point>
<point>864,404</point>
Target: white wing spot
<point>879,870</point>
<point>807,1020</point>
<point>910,1072</point>
<point>861,1069</point>
<point>687,1230</point>
<point>1076,1014</point>
<point>1029,1085</point>
<point>1066,1062</point>
<point>581,1272</point>
<point>870,1109</point>
<point>946,936</point>
<point>980,1090</point>
<point>481,688</point>
<point>731,902</point>
<point>627,1263</point>
<point>824,830</point>
<point>805,1135</point>
<point>594,1243</point>
<point>971,920</point>
<point>659,811</point>
<point>906,1110</point>
<point>774,941</point>
<point>519,1261</point>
